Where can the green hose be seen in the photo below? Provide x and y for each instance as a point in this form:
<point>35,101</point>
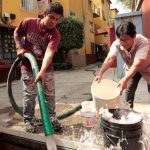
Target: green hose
<point>41,98</point>
<point>9,85</point>
<point>69,111</point>
<point>43,109</point>
<point>12,100</point>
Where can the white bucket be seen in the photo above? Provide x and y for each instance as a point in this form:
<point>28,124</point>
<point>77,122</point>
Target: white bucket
<point>88,105</point>
<point>88,113</point>
<point>105,94</point>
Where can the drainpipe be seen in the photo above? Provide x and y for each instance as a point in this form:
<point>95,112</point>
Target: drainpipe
<point>138,5</point>
<point>1,15</point>
<point>83,15</point>
<point>1,10</point>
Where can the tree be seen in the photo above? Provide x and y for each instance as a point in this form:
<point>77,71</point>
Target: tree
<point>129,4</point>
<point>72,36</point>
<point>72,33</point>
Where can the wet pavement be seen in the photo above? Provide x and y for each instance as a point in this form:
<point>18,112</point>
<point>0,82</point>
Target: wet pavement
<point>72,87</point>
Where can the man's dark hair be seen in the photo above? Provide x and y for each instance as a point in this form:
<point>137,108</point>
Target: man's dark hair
<point>54,7</point>
<point>126,28</point>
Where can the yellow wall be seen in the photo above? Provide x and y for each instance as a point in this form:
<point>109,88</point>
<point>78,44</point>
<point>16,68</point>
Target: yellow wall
<point>71,5</point>
<point>13,6</point>
<point>80,7</point>
<point>65,4</point>
<point>82,12</point>
<point>89,36</point>
<point>102,39</point>
<point>113,13</point>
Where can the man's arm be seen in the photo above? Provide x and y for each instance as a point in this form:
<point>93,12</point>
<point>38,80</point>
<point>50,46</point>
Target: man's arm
<point>17,39</point>
<point>19,48</point>
<point>122,84</point>
<point>106,65</point>
<point>46,62</point>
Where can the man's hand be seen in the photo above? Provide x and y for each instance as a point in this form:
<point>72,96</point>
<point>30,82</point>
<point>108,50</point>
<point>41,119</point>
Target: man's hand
<point>40,76</point>
<point>20,53</point>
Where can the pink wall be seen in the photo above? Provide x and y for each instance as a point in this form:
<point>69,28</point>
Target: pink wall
<point>111,34</point>
<point>146,18</point>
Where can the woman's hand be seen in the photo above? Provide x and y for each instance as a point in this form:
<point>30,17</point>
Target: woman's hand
<point>122,84</point>
<point>98,78</point>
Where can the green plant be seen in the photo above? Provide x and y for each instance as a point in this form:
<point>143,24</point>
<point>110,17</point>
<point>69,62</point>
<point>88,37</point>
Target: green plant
<point>72,34</point>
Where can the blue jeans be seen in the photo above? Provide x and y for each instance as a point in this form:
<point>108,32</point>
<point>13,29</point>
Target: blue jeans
<point>131,88</point>
<point>30,93</point>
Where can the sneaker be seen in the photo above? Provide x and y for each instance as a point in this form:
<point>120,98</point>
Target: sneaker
<point>55,124</point>
<point>37,122</point>
<point>29,127</point>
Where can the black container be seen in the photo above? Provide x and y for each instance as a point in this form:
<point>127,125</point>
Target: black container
<point>129,135</point>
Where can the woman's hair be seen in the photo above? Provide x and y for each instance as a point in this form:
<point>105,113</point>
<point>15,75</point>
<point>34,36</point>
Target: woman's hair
<point>54,7</point>
<point>126,28</point>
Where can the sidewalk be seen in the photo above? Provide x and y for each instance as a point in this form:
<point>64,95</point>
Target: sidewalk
<point>72,87</point>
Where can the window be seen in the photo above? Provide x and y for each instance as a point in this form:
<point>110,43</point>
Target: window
<point>7,46</point>
<point>93,48</point>
<point>103,1</point>
<point>90,4</point>
<point>92,27</point>
<point>97,11</point>
<point>103,14</point>
<point>28,5</point>
<point>72,13</point>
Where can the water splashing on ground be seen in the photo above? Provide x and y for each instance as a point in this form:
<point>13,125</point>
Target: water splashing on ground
<point>91,139</point>
<point>50,143</point>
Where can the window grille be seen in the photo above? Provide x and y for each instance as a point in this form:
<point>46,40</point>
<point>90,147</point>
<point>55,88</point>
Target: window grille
<point>29,5</point>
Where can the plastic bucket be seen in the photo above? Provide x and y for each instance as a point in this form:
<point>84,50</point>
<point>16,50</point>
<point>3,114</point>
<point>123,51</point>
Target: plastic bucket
<point>129,135</point>
<point>88,114</point>
<point>105,94</point>
<point>88,105</point>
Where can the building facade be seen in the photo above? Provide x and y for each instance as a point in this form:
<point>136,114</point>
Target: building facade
<point>95,14</point>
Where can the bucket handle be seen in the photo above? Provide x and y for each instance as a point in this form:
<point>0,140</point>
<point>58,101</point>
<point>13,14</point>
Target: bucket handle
<point>109,138</point>
<point>122,139</point>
